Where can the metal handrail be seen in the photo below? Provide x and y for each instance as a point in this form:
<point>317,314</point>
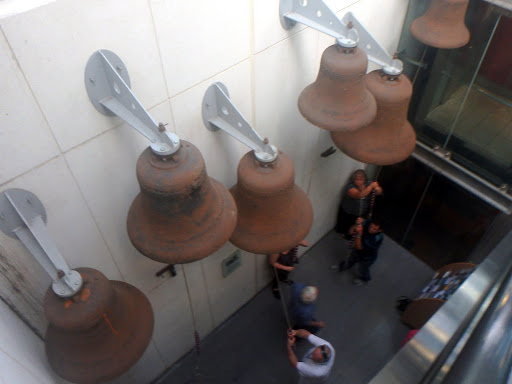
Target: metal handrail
<point>458,342</point>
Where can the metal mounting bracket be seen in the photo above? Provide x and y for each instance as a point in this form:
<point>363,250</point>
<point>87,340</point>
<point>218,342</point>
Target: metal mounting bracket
<point>348,32</point>
<point>219,112</point>
<point>22,216</point>
<point>108,86</point>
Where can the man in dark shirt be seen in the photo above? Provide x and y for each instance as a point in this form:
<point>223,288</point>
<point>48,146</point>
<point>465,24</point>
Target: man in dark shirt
<point>302,308</point>
<point>367,241</point>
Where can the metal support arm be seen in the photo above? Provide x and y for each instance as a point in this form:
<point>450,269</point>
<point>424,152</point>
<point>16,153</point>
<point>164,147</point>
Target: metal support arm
<point>348,32</point>
<point>108,86</point>
<point>219,112</point>
<point>22,216</point>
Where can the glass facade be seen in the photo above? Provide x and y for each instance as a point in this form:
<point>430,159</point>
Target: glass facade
<point>462,99</point>
<point>461,103</point>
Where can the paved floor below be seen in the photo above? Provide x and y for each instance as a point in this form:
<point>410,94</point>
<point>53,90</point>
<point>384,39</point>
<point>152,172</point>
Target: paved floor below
<point>361,323</point>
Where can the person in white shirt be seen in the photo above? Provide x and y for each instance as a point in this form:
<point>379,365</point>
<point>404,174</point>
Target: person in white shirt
<point>318,361</point>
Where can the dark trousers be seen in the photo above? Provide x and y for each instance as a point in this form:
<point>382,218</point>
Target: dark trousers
<point>364,260</point>
<point>310,328</point>
<point>282,276</point>
<point>344,222</point>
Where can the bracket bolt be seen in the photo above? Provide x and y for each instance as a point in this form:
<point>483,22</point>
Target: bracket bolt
<point>119,68</point>
<point>91,79</point>
<point>2,217</point>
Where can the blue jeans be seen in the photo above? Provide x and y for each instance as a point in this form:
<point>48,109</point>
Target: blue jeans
<point>364,260</point>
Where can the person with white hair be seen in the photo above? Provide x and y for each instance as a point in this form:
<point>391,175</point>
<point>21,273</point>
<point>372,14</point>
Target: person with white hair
<point>317,363</point>
<point>302,308</point>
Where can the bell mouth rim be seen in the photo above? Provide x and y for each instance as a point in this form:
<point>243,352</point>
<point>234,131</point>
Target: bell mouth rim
<point>142,327</point>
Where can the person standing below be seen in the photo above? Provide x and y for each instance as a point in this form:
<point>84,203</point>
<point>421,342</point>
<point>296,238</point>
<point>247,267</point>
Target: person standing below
<point>355,201</point>
<point>302,308</point>
<point>316,363</point>
<point>284,263</point>
<point>367,241</point>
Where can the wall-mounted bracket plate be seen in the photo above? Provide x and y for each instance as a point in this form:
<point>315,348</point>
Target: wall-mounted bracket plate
<point>219,113</point>
<point>10,220</point>
<point>96,82</point>
<point>209,107</point>
<point>22,216</point>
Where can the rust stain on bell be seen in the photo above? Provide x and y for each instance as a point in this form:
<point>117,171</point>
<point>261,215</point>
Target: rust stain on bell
<point>81,346</point>
<point>442,25</point>
<point>390,138</point>
<point>274,214</point>
<point>180,215</point>
<point>338,100</point>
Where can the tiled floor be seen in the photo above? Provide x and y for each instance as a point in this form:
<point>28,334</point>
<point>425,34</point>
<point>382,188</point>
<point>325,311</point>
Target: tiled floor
<point>361,323</point>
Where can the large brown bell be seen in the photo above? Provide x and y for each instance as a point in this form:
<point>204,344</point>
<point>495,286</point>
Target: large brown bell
<point>338,100</point>
<point>99,333</point>
<point>274,214</point>
<point>180,215</point>
<point>390,139</point>
<point>442,26</point>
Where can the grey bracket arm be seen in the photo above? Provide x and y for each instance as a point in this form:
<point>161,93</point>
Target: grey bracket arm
<point>22,216</point>
<point>219,112</point>
<point>108,86</point>
<point>348,32</point>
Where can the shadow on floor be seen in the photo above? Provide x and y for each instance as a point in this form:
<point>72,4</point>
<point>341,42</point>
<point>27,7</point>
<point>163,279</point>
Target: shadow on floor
<point>361,323</point>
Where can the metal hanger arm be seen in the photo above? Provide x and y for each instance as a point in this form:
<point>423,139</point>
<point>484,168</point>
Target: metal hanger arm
<point>108,87</point>
<point>220,113</point>
<point>375,52</point>
<point>349,32</point>
<point>22,216</point>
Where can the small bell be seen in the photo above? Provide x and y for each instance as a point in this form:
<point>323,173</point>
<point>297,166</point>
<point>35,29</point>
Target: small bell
<point>100,332</point>
<point>180,215</point>
<point>442,25</point>
<point>274,214</point>
<point>390,138</point>
<point>338,100</point>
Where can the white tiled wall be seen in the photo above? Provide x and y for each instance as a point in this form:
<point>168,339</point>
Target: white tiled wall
<point>81,164</point>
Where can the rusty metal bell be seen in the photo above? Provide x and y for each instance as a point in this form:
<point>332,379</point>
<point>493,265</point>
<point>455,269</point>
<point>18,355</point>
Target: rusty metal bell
<point>100,332</point>
<point>338,100</point>
<point>442,25</point>
<point>274,214</point>
<point>390,138</point>
<point>180,215</point>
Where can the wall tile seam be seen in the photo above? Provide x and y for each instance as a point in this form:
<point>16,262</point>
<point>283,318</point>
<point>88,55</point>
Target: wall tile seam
<point>26,368</point>
<point>93,217</point>
<point>252,63</point>
<point>290,36</point>
<point>119,125</point>
<point>81,194</point>
<point>313,165</point>
<point>42,164</point>
<point>210,78</point>
<point>158,352</point>
<point>36,101</point>
<point>160,58</point>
